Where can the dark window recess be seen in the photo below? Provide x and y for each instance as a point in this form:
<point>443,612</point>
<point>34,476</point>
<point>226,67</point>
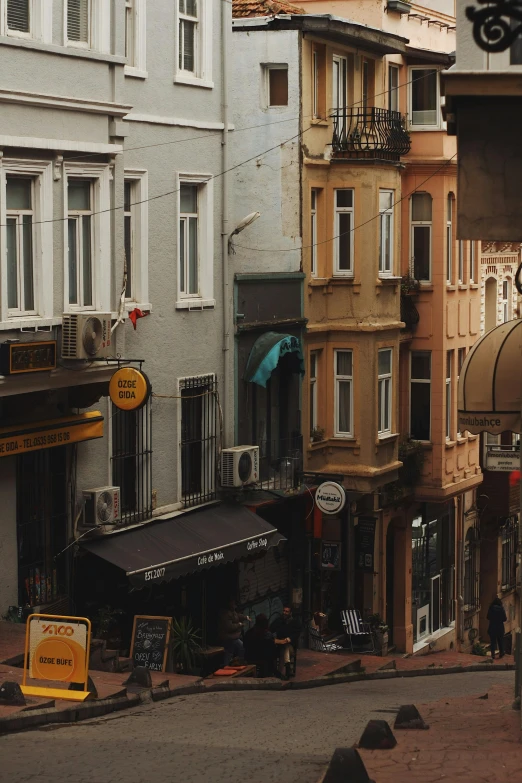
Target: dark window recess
<point>41,522</point>
<point>471,571</point>
<point>198,439</point>
<point>278,86</point>
<point>132,461</point>
<point>509,553</point>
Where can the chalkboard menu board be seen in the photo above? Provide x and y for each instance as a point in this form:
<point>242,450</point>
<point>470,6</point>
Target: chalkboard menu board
<point>150,642</point>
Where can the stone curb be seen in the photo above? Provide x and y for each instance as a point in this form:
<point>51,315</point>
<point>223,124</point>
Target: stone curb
<point>93,709</point>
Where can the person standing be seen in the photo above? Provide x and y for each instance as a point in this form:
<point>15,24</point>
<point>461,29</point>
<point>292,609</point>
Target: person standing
<point>286,630</point>
<point>497,617</point>
<point>230,626</point>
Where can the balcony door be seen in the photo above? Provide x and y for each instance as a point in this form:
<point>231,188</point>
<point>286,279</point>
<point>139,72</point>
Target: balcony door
<point>339,95</point>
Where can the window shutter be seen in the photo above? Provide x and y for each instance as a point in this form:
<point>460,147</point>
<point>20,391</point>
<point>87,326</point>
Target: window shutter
<point>78,20</point>
<point>18,15</point>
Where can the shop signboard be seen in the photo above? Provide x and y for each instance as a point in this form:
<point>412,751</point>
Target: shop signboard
<point>330,497</point>
<point>129,389</point>
<point>150,642</point>
<point>17,358</point>
<point>57,651</point>
<point>502,458</point>
<point>365,544</point>
<point>21,438</point>
<point>331,555</point>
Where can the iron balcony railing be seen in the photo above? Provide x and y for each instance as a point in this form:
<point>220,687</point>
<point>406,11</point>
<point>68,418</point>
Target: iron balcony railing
<point>281,463</point>
<point>369,133</point>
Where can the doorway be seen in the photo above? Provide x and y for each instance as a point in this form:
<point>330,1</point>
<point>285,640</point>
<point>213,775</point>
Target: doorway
<point>390,580</point>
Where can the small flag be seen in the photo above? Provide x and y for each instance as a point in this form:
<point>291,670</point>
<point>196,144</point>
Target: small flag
<point>135,314</point>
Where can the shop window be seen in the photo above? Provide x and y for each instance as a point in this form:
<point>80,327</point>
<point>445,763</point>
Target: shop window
<point>198,439</point>
<point>421,216</point>
<point>420,395</point>
<point>471,571</point>
<point>131,461</point>
<point>41,516</point>
<point>509,550</point>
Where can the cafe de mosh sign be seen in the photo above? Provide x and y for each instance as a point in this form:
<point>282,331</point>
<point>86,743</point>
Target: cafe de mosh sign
<point>490,382</point>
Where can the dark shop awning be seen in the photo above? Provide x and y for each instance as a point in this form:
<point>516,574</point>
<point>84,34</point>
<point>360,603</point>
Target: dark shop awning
<point>165,550</point>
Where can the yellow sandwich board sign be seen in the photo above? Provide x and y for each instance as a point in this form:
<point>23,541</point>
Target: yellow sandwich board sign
<point>57,650</point>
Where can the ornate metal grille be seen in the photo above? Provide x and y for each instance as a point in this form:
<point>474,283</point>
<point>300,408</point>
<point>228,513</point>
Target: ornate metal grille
<point>370,134</point>
<point>132,461</point>
<point>198,439</point>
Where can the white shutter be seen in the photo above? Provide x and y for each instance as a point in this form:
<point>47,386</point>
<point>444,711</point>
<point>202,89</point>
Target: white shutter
<point>19,15</point>
<point>78,13</point>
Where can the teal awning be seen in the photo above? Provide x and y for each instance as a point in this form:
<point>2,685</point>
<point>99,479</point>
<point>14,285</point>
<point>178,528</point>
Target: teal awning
<point>265,355</point>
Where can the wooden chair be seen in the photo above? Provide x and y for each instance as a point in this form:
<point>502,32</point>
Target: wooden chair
<point>319,643</point>
<point>356,628</point>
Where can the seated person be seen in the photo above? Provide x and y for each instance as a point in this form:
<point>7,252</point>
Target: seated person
<point>260,646</point>
<point>287,631</point>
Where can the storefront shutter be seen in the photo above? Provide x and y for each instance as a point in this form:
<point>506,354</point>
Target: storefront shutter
<point>263,584</point>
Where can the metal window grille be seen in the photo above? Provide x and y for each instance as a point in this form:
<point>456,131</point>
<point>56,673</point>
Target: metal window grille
<point>198,439</point>
<point>471,571</point>
<point>41,516</point>
<point>132,461</point>
<point>509,550</point>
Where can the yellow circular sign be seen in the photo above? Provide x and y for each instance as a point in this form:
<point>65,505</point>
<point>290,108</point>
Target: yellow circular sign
<point>129,388</point>
<point>54,659</point>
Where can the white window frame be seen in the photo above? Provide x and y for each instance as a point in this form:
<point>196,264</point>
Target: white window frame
<point>449,240</point>
<point>413,126</point>
<point>489,440</point>
<point>18,215</point>
<point>42,174</point>
<point>41,16</point>
<point>137,67</point>
<point>337,232</point>
<point>392,68</point>
<point>421,223</point>
<point>449,394</point>
<point>386,215</point>
<point>267,67</point>
<point>140,238</point>
<point>472,262</point>
<point>202,77</point>
<point>461,261</point>
<point>421,380</point>
<point>507,295</point>
<point>338,379</point>
<point>385,380</point>
<point>315,84</point>
<point>99,174</point>
<point>461,354</point>
<point>99,28</point>
<point>314,198</point>
<point>314,365</point>
<point>205,296</point>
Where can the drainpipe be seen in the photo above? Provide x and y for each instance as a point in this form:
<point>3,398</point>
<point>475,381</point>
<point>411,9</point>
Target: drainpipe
<point>227,396</point>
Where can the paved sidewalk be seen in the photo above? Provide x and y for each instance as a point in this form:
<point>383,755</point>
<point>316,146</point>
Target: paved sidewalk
<point>470,740</point>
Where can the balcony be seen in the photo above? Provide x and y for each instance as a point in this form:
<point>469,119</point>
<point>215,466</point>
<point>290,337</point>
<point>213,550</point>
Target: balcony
<point>369,134</point>
<point>281,463</point>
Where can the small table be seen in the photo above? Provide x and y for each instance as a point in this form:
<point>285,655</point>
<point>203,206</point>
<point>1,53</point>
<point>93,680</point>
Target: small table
<point>247,671</point>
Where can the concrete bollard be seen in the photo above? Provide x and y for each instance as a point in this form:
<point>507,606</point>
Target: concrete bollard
<point>345,766</point>
<point>377,736</point>
<point>409,717</point>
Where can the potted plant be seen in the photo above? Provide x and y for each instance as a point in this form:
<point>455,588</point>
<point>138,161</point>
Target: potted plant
<point>317,434</point>
<point>106,626</point>
<point>380,633</point>
<point>185,643</point>
<point>409,285</point>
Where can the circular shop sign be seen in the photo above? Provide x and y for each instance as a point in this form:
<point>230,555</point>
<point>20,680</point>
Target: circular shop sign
<point>129,389</point>
<point>330,497</point>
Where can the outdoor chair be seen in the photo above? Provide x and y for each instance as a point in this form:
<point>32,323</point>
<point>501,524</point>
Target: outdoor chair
<point>320,644</point>
<point>356,628</point>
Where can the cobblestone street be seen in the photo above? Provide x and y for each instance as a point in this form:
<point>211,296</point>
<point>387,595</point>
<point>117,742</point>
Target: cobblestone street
<point>259,736</point>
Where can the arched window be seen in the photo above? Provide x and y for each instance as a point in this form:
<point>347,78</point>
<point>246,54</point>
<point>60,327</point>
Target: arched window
<point>490,320</point>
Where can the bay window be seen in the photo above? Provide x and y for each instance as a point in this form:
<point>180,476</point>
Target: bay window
<point>424,97</point>
<point>420,395</point>
<point>385,391</point>
<point>386,232</point>
<point>343,232</point>
<point>421,217</point>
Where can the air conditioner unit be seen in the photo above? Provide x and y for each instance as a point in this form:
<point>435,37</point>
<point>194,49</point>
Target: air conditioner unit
<point>86,335</point>
<point>102,506</point>
<point>239,466</point>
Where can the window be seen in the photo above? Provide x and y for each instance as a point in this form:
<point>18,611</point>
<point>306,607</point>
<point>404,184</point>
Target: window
<point>509,550</point>
<point>472,262</point>
<point>343,232</point>
<point>130,30</point>
<point>420,395</point>
<point>26,19</point>
<point>318,78</point>
<point>314,356</point>
<point>461,261</point>
<point>195,242</point>
<point>461,356</point>
<point>343,393</point>
<point>386,232</point>
<point>385,394</point>
<point>20,245</point>
<point>421,207</point>
<point>277,86</point>
<point>18,17</point>
<point>128,200</point>
<point>393,88</point>
<point>135,37</point>
<point>506,300</point>
<point>198,439</point>
<point>188,35</point>
<point>339,95</point>
<point>365,84</point>
<point>135,216</point>
<point>80,242</point>
<point>79,22</point>
<point>424,97</point>
<point>194,59</point>
<point>313,231</point>
<point>131,461</point>
<point>449,409</point>
<point>315,83</point>
<point>449,240</point>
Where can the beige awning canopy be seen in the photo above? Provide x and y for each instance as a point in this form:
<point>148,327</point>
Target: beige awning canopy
<point>490,383</point>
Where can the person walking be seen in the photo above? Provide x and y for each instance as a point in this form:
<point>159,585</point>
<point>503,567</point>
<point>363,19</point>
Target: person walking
<point>497,617</point>
<point>286,630</point>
